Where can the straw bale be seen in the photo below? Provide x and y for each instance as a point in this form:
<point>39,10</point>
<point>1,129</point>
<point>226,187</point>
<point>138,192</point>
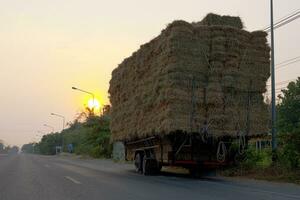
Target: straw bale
<point>213,20</point>
<point>189,75</point>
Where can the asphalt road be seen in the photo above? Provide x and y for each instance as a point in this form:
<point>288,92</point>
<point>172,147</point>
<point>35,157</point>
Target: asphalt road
<point>32,177</point>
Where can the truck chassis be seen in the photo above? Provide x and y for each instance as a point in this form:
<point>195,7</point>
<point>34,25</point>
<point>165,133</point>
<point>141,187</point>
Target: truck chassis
<point>194,151</point>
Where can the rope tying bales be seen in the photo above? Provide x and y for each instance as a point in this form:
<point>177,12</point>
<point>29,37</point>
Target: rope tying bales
<point>242,143</point>
<point>221,152</point>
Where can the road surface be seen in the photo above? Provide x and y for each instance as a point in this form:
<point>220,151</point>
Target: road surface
<point>33,177</point>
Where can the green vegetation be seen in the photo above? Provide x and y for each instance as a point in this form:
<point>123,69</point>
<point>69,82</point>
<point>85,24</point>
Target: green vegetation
<point>257,159</point>
<point>28,148</point>
<point>7,149</point>
<point>288,125</point>
<point>258,164</point>
<point>89,135</point>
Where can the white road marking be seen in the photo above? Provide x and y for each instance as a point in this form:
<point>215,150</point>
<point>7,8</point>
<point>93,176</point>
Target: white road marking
<point>72,179</point>
<point>46,165</point>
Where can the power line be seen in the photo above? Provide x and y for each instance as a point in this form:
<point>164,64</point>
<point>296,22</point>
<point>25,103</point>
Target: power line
<point>282,18</point>
<point>287,17</point>
<point>288,60</point>
<point>282,66</point>
<point>293,79</point>
<point>278,89</point>
<point>285,20</point>
<point>284,82</point>
<point>282,88</point>
<point>276,92</point>
<point>278,84</point>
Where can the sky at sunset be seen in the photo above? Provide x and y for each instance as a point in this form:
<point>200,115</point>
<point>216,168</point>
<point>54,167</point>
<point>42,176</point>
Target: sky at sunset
<point>48,46</point>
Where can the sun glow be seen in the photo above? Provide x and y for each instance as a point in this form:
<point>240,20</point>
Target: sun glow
<point>93,103</point>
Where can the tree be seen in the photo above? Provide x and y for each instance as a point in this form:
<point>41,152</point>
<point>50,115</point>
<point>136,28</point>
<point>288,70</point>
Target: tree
<point>13,150</point>
<point>29,148</point>
<point>49,142</point>
<point>8,149</point>
<point>288,122</point>
<point>2,146</point>
<point>89,135</point>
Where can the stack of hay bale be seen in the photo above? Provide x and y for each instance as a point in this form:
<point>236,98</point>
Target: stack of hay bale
<point>209,74</point>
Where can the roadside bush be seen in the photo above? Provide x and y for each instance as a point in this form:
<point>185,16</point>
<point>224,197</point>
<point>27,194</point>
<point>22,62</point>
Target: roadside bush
<point>48,143</point>
<point>289,153</point>
<point>288,125</point>
<point>89,135</point>
<point>256,159</point>
<point>29,148</point>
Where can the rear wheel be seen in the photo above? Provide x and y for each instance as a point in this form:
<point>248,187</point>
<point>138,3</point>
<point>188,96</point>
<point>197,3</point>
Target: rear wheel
<point>150,166</point>
<point>146,166</point>
<point>138,163</point>
<point>159,167</point>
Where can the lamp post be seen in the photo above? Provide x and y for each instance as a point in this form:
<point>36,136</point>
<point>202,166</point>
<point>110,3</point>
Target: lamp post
<point>38,135</point>
<point>52,128</point>
<point>33,150</point>
<point>41,132</point>
<point>63,127</point>
<point>75,88</point>
<point>63,118</point>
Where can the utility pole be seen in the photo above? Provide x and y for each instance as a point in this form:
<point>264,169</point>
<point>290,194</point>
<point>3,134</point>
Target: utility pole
<point>63,119</point>
<point>274,143</point>
<point>63,127</point>
<point>51,127</point>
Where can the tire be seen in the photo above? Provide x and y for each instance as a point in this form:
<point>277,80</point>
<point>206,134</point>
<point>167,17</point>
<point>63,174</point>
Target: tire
<point>138,163</point>
<point>146,166</point>
<point>159,167</point>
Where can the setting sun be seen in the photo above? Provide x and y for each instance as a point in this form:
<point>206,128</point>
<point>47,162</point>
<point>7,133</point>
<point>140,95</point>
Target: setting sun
<point>93,104</point>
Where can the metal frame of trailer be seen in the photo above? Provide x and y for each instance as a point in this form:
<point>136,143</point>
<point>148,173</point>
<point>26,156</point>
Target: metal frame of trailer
<point>194,151</point>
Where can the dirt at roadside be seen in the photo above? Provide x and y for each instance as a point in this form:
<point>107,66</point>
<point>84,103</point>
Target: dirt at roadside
<point>273,174</point>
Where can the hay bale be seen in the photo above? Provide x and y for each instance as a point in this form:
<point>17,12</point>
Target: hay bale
<point>193,73</point>
<point>214,20</point>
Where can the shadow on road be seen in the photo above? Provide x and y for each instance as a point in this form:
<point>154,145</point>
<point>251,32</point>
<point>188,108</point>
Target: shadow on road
<point>181,175</point>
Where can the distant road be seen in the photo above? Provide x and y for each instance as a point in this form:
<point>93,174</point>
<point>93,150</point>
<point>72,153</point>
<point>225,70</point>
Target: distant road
<point>32,177</point>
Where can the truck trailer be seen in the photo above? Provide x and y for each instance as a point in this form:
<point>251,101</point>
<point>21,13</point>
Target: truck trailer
<point>192,96</point>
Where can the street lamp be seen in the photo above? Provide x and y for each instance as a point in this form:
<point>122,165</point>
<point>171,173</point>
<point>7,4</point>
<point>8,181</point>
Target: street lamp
<point>75,88</point>
<point>63,118</point>
<point>41,132</point>
<point>52,128</point>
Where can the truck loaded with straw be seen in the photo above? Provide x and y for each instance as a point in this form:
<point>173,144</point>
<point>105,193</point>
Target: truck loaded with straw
<point>192,96</point>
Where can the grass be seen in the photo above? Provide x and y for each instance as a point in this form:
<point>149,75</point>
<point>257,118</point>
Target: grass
<point>258,165</point>
<point>272,173</point>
